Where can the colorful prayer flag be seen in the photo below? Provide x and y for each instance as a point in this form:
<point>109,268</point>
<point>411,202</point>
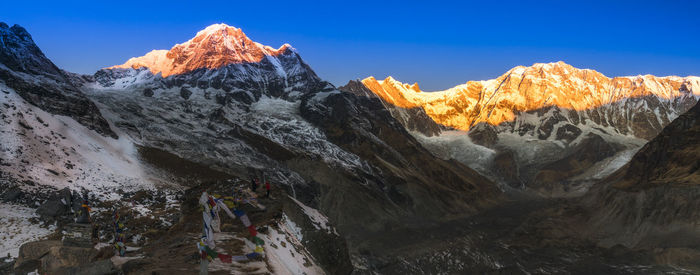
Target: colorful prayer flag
<point>245,220</point>
<point>252,231</point>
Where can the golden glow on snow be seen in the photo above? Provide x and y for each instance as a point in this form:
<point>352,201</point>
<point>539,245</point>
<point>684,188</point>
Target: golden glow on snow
<point>214,47</point>
<point>525,89</point>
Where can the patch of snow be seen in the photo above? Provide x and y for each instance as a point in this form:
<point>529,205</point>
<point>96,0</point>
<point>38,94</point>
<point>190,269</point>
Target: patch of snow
<point>16,228</point>
<point>292,227</point>
<point>60,152</point>
<point>286,255</point>
<point>457,145</point>
<point>317,219</point>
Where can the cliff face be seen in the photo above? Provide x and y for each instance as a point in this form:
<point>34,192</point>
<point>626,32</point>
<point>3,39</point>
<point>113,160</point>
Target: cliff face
<point>411,117</point>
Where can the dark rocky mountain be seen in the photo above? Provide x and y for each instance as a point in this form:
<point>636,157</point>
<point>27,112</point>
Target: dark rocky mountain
<point>414,119</point>
<point>653,201</point>
<point>415,185</point>
<point>38,81</point>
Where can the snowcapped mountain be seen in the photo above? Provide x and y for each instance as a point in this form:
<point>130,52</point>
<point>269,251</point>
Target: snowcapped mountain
<point>214,47</point>
<point>265,111</point>
<point>242,114</point>
<point>218,57</point>
<point>561,114</point>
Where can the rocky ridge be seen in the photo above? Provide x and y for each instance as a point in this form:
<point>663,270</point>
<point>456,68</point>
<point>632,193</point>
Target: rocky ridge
<point>534,122</point>
<point>653,200</point>
<point>24,68</point>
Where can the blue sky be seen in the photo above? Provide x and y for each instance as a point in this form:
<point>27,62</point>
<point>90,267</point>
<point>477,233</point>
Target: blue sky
<point>437,44</point>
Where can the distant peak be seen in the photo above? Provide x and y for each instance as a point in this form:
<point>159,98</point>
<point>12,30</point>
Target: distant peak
<point>213,47</point>
<point>528,88</point>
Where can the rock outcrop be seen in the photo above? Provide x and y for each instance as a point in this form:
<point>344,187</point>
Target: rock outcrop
<point>412,118</point>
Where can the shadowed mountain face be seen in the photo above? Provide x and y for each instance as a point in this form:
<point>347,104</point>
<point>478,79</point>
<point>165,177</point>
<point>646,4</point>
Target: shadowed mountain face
<point>550,128</point>
<point>24,68</point>
<point>653,201</point>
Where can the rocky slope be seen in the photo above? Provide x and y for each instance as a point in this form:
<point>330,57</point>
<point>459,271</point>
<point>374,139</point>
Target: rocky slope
<point>653,200</point>
<point>25,69</point>
<point>528,127</point>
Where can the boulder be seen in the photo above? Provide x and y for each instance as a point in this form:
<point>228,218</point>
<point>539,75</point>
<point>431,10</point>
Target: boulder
<point>25,267</point>
<point>52,209</point>
<point>102,267</point>
<point>30,253</point>
<point>6,265</point>
<point>148,92</point>
<point>65,196</point>
<point>78,235</point>
<point>57,206</point>
<point>483,134</point>
<point>133,265</point>
<point>185,93</point>
<point>105,252</point>
<point>63,257</point>
<point>11,195</point>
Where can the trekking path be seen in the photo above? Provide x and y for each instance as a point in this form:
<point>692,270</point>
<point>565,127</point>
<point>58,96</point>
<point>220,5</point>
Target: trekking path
<point>175,252</point>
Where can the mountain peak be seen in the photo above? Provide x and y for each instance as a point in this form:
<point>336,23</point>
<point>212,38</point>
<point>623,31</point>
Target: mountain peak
<point>214,47</point>
<point>19,53</point>
<point>530,88</point>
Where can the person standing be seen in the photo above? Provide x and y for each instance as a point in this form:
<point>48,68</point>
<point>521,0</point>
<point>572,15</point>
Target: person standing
<point>267,189</point>
<point>84,213</point>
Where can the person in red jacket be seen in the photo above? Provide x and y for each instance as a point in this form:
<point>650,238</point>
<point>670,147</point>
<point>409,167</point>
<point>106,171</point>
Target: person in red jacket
<point>267,188</point>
